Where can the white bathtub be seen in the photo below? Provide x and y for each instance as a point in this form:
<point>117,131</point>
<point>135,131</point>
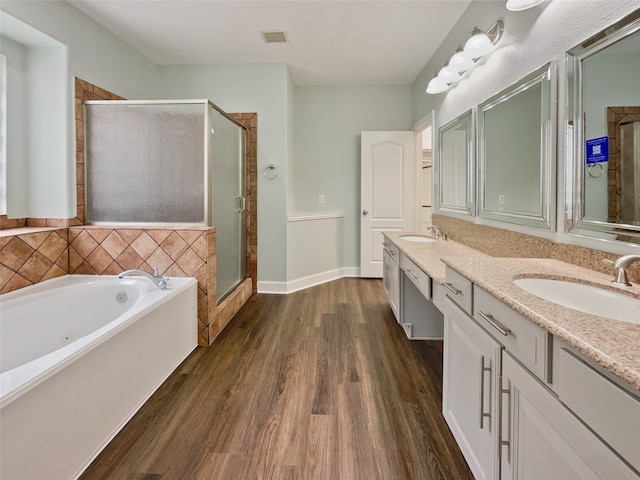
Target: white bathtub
<point>77,360</point>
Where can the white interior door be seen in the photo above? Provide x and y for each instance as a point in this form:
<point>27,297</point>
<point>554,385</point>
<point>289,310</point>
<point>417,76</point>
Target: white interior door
<point>386,199</point>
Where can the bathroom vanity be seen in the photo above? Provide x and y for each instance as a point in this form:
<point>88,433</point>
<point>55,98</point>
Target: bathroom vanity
<point>412,278</point>
<point>532,389</point>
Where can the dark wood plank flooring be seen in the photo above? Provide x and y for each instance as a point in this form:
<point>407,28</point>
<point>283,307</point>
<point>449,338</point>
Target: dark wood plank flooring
<point>319,384</point>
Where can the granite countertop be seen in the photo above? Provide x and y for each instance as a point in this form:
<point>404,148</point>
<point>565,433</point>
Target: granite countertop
<point>613,344</point>
<point>428,255</point>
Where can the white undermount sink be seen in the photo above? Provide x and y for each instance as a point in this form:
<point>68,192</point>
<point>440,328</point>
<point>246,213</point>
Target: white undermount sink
<point>418,238</point>
<point>585,298</point>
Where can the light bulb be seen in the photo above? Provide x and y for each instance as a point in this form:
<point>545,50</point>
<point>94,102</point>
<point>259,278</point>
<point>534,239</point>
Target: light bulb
<point>437,85</point>
<point>448,75</point>
<point>519,5</point>
<point>459,63</point>
<point>478,45</point>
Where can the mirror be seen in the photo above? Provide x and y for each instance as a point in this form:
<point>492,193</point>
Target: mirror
<point>604,128</point>
<point>516,152</point>
<point>455,177</point>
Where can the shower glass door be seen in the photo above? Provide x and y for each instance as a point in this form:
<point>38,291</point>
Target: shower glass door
<point>227,207</point>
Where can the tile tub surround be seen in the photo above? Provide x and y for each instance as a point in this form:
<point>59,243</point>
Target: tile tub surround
<point>505,243</point>
<point>176,252</point>
<point>613,344</point>
<point>28,257</point>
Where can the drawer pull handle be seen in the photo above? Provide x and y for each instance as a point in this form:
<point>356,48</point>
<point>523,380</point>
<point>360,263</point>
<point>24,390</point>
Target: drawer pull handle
<point>489,318</point>
<point>451,288</point>
<point>482,413</point>
<point>507,410</point>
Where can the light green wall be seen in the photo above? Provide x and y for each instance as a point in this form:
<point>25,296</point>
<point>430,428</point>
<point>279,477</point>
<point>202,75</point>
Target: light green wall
<point>86,50</point>
<point>263,89</point>
<point>327,148</point>
<point>17,143</point>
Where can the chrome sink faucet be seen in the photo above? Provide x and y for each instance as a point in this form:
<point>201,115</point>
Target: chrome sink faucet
<point>437,232</point>
<point>620,264</point>
<point>157,279</point>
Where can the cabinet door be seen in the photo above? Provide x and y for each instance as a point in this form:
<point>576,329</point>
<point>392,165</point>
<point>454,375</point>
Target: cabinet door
<point>394,287</point>
<point>470,393</point>
<point>541,439</point>
<point>386,269</point>
<point>391,282</point>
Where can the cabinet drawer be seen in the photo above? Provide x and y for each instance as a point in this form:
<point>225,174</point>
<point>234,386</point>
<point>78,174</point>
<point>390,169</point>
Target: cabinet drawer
<point>459,289</point>
<point>525,340</point>
<point>609,410</point>
<point>420,279</point>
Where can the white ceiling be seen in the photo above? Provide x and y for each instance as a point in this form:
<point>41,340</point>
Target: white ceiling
<point>331,42</point>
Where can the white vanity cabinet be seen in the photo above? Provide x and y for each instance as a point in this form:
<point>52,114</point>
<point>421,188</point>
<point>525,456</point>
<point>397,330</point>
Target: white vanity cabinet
<point>391,276</point>
<point>470,390</point>
<point>539,425</point>
<point>541,439</point>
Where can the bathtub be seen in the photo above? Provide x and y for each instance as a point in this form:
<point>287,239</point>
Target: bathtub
<point>79,355</point>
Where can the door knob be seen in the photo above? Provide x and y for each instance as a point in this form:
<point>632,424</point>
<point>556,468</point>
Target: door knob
<point>365,212</point>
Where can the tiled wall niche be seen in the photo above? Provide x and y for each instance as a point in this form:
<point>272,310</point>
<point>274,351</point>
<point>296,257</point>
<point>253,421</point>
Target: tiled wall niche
<point>28,257</point>
<point>498,242</point>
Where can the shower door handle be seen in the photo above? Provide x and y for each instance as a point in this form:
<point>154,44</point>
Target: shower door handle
<point>243,204</point>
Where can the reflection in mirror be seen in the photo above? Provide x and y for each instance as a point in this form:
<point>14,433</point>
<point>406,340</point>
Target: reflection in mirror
<point>516,152</point>
<point>455,186</point>
<point>604,118</point>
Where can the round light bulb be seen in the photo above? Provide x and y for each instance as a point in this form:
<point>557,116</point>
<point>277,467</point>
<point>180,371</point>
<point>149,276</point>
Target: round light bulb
<point>448,75</point>
<point>478,45</point>
<point>460,63</point>
<point>437,85</point>
<point>519,5</point>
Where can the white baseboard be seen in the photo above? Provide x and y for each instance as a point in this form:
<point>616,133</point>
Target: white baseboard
<point>308,281</point>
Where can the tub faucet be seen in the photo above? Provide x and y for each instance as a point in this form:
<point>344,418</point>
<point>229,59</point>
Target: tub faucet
<point>620,264</point>
<point>157,279</point>
<point>438,232</point>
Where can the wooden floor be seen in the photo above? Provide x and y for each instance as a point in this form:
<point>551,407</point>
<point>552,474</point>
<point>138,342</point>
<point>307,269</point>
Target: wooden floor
<point>319,384</point>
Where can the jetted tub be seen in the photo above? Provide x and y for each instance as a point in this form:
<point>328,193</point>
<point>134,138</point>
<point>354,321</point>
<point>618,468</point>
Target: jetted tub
<point>79,355</point>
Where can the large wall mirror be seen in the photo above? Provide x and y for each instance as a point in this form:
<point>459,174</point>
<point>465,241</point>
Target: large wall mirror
<point>516,152</point>
<point>604,127</point>
<point>455,167</point>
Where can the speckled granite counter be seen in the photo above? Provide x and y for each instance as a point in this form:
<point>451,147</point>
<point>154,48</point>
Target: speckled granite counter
<point>613,344</point>
<point>428,256</point>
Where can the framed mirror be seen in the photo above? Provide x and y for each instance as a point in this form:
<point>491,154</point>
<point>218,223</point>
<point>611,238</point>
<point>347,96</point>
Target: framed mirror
<point>516,152</point>
<point>603,199</point>
<point>455,194</point>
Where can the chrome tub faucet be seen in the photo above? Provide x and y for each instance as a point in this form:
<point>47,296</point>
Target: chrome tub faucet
<point>157,279</point>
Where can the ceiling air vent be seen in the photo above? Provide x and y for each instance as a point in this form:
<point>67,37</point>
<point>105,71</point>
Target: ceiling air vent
<point>274,36</point>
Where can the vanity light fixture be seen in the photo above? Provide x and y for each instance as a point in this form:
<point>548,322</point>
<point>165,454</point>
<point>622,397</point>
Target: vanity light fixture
<point>479,44</point>
<point>519,5</point>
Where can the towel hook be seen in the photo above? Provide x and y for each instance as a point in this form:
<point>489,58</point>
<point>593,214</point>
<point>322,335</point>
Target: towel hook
<point>270,172</point>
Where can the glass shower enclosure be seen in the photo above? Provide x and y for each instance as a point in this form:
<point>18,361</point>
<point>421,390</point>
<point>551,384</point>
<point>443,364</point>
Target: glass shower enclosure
<point>175,162</point>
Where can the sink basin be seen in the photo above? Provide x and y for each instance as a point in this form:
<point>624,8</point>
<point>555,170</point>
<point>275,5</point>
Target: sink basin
<point>585,298</point>
<point>418,238</point>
